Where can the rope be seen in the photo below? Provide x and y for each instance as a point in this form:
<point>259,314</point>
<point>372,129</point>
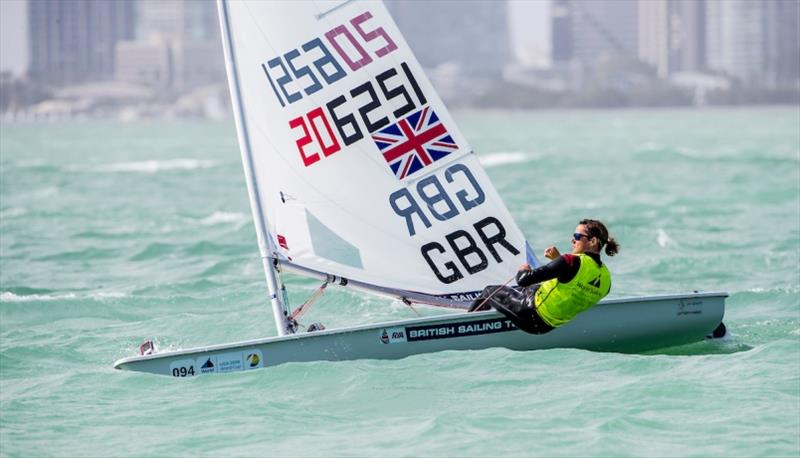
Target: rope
<point>493,292</point>
<point>408,303</point>
<point>299,311</point>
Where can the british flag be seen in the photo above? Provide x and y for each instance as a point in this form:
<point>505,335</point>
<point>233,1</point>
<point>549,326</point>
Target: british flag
<point>414,142</point>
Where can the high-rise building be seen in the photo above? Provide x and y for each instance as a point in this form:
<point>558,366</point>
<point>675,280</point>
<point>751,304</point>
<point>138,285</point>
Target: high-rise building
<point>177,46</point>
<point>585,31</point>
<point>672,35</point>
<point>178,20</point>
<point>472,34</point>
<point>561,42</point>
<point>737,39</point>
<point>782,43</point>
<point>75,41</point>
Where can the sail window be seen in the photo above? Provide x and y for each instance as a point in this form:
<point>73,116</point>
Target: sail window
<point>327,244</point>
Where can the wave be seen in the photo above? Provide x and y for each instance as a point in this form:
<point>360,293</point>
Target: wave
<point>12,212</point>
<point>81,255</point>
<point>153,251</point>
<point>223,217</point>
<point>154,166</point>
<point>35,164</point>
<point>503,158</point>
<point>8,296</point>
<point>655,152</point>
<point>664,240</point>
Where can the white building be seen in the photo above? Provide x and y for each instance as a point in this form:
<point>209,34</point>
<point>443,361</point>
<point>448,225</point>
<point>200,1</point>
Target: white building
<point>672,35</point>
<point>736,38</point>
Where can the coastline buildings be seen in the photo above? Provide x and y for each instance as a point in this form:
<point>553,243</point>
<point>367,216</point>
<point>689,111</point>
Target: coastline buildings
<point>177,46</point>
<point>604,49</point>
<point>672,35</point>
<point>586,31</point>
<point>75,41</point>
<point>165,44</point>
<point>174,44</point>
<point>474,36</point>
<point>755,41</point>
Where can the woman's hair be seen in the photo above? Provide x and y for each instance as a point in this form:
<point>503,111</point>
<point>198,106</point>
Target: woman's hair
<point>597,229</point>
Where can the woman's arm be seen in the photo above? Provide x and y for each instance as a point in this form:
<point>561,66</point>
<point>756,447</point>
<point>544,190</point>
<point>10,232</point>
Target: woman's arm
<point>564,267</point>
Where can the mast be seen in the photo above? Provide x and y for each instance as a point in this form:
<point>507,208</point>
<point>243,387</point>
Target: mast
<point>262,233</point>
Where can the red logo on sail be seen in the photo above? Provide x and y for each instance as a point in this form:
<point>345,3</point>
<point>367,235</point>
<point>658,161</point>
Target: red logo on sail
<point>414,142</point>
<point>282,242</point>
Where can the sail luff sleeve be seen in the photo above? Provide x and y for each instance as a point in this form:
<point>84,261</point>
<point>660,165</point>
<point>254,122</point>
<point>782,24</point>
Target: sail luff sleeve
<point>262,231</point>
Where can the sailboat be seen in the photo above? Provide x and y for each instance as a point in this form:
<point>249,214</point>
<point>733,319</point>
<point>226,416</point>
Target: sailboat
<point>358,176</point>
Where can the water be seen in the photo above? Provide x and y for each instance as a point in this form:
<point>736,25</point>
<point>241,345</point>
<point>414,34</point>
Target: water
<point>113,233</point>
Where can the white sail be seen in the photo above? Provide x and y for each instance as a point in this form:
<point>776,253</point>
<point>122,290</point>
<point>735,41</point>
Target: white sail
<point>357,168</point>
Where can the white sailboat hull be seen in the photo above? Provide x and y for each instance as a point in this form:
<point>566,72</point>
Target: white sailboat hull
<point>624,325</point>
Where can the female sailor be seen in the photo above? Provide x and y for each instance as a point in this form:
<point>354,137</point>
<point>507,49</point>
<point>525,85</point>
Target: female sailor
<point>552,295</point>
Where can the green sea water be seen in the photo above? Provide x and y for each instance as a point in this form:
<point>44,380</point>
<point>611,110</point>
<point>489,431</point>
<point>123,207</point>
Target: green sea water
<point>113,233</point>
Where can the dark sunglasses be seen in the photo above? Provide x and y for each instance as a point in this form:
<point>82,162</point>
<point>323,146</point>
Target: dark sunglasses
<point>577,236</point>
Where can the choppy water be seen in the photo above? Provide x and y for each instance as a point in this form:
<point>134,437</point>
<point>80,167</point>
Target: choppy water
<point>113,233</point>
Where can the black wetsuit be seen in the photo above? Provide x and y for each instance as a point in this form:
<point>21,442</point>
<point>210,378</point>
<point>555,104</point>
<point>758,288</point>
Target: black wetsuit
<point>517,303</point>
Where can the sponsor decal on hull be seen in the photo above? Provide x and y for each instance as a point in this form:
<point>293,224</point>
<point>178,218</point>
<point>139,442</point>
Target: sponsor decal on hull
<point>393,335</point>
<point>217,364</point>
<point>690,307</point>
<point>445,330</point>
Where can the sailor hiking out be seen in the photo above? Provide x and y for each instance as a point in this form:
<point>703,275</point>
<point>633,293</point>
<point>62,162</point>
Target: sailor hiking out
<point>552,295</point>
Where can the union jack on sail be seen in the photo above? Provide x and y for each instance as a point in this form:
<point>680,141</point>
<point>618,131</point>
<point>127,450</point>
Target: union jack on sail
<point>414,142</point>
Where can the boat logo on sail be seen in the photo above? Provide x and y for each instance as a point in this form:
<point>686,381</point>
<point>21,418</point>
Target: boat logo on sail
<point>393,335</point>
<point>414,142</point>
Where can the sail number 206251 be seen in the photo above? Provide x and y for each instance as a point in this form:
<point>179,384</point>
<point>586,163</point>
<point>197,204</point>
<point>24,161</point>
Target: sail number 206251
<point>394,88</point>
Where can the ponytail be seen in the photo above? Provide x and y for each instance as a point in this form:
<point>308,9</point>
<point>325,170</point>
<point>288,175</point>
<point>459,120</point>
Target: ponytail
<point>597,229</point>
<point>612,247</point>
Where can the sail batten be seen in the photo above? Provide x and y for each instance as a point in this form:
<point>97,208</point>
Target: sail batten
<point>362,172</point>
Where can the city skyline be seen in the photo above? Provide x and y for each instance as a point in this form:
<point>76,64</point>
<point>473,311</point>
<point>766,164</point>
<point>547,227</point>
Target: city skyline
<point>136,58</point>
<point>528,27</point>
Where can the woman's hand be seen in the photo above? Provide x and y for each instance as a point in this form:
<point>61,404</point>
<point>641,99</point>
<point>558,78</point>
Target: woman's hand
<point>524,267</point>
<point>551,253</point>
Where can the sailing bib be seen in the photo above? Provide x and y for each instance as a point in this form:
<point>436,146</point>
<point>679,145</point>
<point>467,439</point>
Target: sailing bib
<point>557,303</point>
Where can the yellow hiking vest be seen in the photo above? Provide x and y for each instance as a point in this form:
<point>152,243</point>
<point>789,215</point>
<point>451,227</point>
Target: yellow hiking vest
<point>557,303</point>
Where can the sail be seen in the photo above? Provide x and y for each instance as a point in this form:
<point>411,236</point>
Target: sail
<point>355,167</point>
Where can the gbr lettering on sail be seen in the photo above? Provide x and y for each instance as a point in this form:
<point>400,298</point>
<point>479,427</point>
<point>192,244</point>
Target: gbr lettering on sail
<point>433,200</point>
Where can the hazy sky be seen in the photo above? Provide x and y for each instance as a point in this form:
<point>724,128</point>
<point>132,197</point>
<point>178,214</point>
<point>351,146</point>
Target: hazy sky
<point>528,23</point>
<point>13,36</point>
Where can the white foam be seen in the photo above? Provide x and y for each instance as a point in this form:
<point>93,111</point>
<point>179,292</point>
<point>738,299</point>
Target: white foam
<point>223,217</point>
<point>495,159</point>
<point>154,166</point>
<point>650,146</point>
<point>30,163</point>
<point>664,240</point>
<point>7,296</point>
<point>13,212</point>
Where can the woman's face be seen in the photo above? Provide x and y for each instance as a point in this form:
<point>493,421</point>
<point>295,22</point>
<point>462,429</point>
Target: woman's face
<point>581,242</point>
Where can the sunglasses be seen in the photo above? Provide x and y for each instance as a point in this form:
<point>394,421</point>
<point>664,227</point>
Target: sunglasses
<point>577,236</point>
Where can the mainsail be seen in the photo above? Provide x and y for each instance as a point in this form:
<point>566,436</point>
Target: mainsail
<point>355,167</point>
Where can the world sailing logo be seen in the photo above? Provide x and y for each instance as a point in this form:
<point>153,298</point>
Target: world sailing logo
<point>414,142</point>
